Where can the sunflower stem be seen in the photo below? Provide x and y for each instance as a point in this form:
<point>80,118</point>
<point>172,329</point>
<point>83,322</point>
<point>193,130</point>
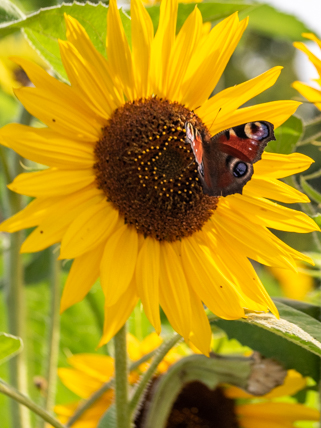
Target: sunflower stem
<point>15,297</point>
<point>53,334</point>
<point>121,379</point>
<point>25,401</point>
<point>141,388</point>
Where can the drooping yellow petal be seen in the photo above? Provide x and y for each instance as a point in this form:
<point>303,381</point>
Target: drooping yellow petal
<point>276,165</point>
<point>142,36</point>
<point>256,243</point>
<point>65,209</point>
<point>232,98</point>
<point>311,94</point>
<point>181,53</point>
<point>117,314</point>
<point>273,189</point>
<point>275,216</point>
<point>52,182</point>
<point>58,105</point>
<point>208,278</point>
<point>276,112</point>
<point>294,285</point>
<point>118,263</point>
<point>77,35</point>
<point>47,147</point>
<point>162,46</point>
<point>201,333</point>
<point>147,280</point>
<point>119,54</point>
<point>83,274</point>
<point>174,292</point>
<point>88,230</point>
<point>313,58</point>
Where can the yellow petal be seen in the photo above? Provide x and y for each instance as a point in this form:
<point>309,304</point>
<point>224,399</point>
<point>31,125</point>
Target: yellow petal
<point>117,314</point>
<point>313,58</point>
<point>273,189</point>
<point>118,263</point>
<point>57,105</point>
<point>182,51</point>
<point>275,165</point>
<point>78,382</point>
<point>83,274</point>
<point>174,291</point>
<point>142,36</point>
<point>47,147</point>
<point>208,277</point>
<point>57,219</point>
<point>89,229</point>
<point>77,35</point>
<point>210,59</point>
<point>163,45</point>
<point>147,280</point>
<point>30,216</point>
<point>256,243</point>
<point>98,366</point>
<point>262,211</point>
<point>275,112</point>
<point>232,98</point>
<point>118,53</point>
<point>311,94</point>
<point>276,413</point>
<point>52,182</point>
<point>312,37</point>
<point>201,331</point>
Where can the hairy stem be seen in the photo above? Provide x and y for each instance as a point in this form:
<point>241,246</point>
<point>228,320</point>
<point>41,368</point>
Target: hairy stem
<point>121,379</point>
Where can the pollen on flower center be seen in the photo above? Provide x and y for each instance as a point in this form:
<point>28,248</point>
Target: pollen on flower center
<point>148,171</point>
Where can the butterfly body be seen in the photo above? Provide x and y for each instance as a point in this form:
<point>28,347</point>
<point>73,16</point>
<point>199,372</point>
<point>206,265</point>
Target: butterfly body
<point>225,161</point>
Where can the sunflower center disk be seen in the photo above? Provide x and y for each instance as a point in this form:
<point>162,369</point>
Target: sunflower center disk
<point>148,171</point>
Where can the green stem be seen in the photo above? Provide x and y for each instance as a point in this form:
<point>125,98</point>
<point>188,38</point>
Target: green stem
<point>15,298</point>
<point>146,378</point>
<point>121,379</point>
<point>25,401</point>
<point>106,386</point>
<point>53,334</point>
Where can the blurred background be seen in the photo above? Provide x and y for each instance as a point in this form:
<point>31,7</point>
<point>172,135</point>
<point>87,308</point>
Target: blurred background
<point>267,42</point>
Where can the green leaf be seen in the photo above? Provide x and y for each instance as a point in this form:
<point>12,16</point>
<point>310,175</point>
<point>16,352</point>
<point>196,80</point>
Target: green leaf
<point>45,27</point>
<point>309,190</point>
<point>312,131</point>
<point>286,136</point>
<point>9,346</point>
<point>211,11</point>
<point>209,371</point>
<point>311,310</point>
<point>294,340</point>
<point>268,21</point>
<point>9,12</point>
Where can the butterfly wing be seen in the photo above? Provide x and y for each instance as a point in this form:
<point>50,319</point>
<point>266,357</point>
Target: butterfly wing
<point>227,159</point>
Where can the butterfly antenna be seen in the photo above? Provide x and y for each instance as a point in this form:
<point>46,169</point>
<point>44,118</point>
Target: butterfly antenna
<point>215,117</point>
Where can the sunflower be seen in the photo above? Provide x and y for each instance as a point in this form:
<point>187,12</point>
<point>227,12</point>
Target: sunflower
<point>89,372</point>
<point>310,93</point>
<point>122,193</point>
<point>226,406</point>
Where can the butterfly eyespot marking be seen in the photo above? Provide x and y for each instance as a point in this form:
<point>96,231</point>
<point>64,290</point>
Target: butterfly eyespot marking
<point>256,130</point>
<point>240,169</point>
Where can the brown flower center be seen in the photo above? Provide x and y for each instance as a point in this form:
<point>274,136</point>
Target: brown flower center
<point>148,171</point>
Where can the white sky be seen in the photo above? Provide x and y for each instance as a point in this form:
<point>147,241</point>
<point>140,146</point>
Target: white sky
<point>309,12</point>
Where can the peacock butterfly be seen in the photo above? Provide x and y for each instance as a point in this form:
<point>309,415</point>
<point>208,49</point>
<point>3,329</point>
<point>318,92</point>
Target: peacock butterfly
<point>225,161</point>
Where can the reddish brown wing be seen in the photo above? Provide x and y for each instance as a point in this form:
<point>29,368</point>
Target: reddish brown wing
<point>246,142</point>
